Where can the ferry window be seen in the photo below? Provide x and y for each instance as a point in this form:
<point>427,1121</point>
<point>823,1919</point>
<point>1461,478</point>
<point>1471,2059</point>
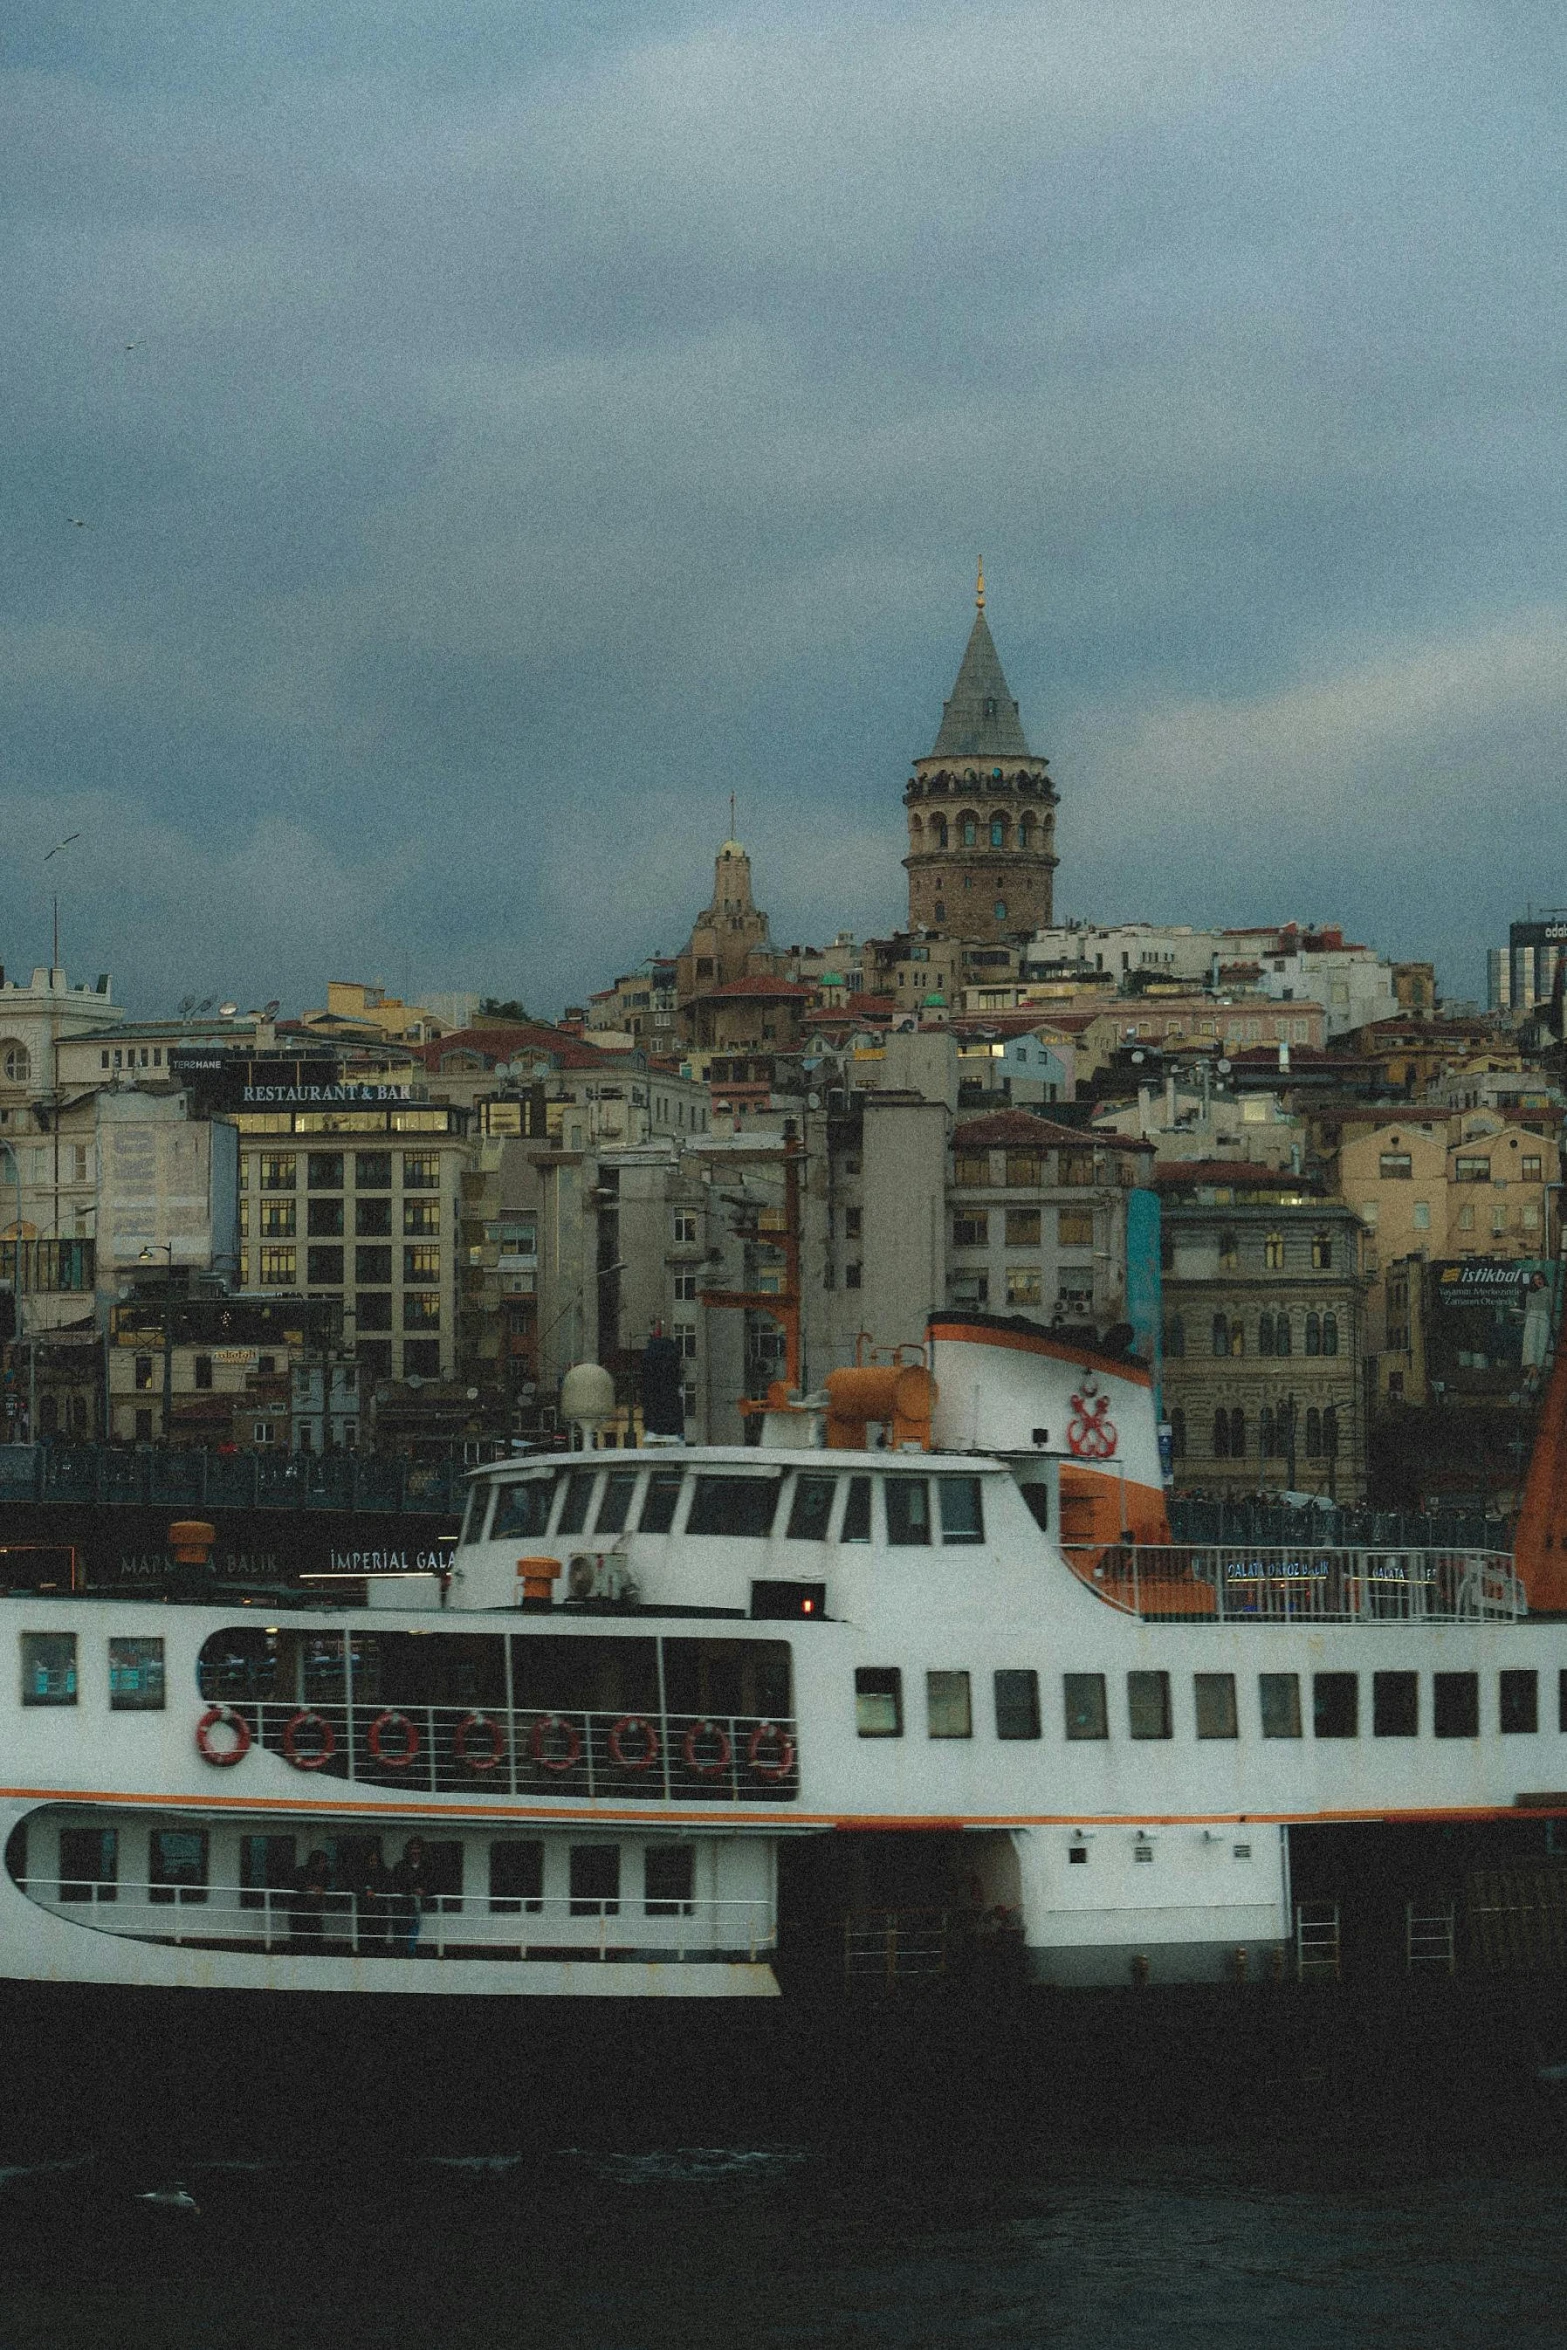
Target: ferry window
<point>421,1668</point>
<point>615,1503</point>
<point>1148,1704</point>
<point>1279,1694</point>
<point>658,1503</point>
<point>734,1505</point>
<point>734,1677</point>
<point>878,1701</point>
<point>856,1527</point>
<point>1520,1701</point>
<point>579,1491</point>
<point>811,1508</point>
<point>1335,1705</point>
<point>1214,1694</point>
<point>266,1865</point>
<point>1395,1705</point>
<point>949,1711</point>
<point>89,1864</point>
<point>1017,1703</point>
<point>962,1518</point>
<point>908,1511</point>
<point>1087,1715</point>
<point>669,1880</point>
<point>564,1672</point>
<point>177,1864</point>
<point>136,1676</point>
<point>1455,1708</point>
<point>516,1876</point>
<point>774,1601</point>
<point>240,1661</point>
<point>473,1513</point>
<point>1036,1500</point>
<point>48,1668</point>
<point>595,1880</point>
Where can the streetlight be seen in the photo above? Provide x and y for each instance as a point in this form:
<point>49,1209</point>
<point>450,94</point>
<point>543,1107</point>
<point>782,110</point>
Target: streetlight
<point>146,1258</point>
<point>55,895</point>
<point>18,1293</point>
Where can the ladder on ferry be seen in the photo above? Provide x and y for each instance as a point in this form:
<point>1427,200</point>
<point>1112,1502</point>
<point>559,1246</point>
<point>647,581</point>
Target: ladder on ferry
<point>1317,1952</point>
<point>1430,1937</point>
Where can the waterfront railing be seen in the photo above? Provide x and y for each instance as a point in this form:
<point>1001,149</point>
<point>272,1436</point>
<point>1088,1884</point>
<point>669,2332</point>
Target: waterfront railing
<point>648,1756</point>
<point>1245,1584</point>
<point>347,1924</point>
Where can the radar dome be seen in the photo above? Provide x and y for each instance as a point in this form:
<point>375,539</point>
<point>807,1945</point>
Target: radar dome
<point>587,1395</point>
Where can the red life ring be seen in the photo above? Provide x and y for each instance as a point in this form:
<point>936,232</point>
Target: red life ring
<point>492,1730</point>
<point>392,1720</point>
<point>222,1758</point>
<point>720,1762</point>
<point>783,1761</point>
<point>307,1718</point>
<point>555,1762</point>
<point>650,1745</point>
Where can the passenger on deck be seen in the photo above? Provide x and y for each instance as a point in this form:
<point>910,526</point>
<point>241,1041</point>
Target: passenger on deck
<point>373,1902</point>
<point>410,1896</point>
<point>308,1908</point>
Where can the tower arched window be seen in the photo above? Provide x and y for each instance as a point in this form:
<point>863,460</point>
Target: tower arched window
<point>939,828</point>
<point>1330,1334</point>
<point>916,834</point>
<point>17,1063</point>
<point>998,832</point>
<point>1001,909</point>
<point>1025,832</point>
<point>970,832</point>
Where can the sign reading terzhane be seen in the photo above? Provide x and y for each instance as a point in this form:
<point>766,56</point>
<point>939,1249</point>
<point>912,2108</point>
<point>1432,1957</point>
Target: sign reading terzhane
<point>237,1081</point>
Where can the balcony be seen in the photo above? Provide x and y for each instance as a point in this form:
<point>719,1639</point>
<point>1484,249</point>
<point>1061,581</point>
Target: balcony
<point>1243,1584</point>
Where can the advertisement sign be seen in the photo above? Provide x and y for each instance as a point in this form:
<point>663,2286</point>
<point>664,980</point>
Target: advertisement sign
<point>240,1081</point>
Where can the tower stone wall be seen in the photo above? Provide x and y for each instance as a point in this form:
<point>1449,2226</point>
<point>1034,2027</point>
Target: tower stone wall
<point>981,811</point>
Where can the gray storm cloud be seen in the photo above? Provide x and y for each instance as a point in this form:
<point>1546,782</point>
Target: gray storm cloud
<point>533,434</point>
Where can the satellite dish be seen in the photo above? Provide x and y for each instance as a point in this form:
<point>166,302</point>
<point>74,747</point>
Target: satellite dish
<point>413,1380</point>
<point>472,1394</point>
<point>271,1011</point>
<point>1136,1057</point>
<point>1225,1068</point>
<point>813,1101</point>
<point>227,1011</point>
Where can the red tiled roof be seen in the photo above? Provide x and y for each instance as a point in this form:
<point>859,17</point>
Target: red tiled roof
<point>492,1045</point>
<point>1244,1174</point>
<point>1004,1129</point>
<point>757,984</point>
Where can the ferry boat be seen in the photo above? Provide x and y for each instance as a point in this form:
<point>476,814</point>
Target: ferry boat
<point>915,1689</point>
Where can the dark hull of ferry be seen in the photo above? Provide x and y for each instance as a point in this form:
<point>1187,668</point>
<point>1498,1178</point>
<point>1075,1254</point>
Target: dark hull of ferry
<point>340,2078</point>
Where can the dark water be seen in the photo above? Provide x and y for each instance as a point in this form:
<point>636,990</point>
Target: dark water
<point>1309,2238</point>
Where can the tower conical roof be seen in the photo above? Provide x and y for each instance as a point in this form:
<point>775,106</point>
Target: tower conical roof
<point>980,721</point>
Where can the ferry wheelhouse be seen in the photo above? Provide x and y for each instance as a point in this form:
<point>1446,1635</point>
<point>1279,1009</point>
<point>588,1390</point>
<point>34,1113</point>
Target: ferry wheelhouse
<point>916,1684</point>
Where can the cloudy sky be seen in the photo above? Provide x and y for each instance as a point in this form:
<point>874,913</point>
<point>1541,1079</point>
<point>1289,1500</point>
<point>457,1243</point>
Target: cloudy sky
<point>501,432</point>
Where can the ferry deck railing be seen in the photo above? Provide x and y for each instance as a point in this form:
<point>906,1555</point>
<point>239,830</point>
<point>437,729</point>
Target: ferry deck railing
<point>1244,1584</point>
<point>287,1921</point>
<point>638,1755</point>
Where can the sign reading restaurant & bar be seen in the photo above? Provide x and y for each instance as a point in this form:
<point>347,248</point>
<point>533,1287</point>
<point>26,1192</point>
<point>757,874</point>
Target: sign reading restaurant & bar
<point>228,1081</point>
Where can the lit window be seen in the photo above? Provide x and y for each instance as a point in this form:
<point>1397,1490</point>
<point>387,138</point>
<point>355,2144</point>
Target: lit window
<point>48,1668</point>
<point>878,1701</point>
<point>278,1267</point>
<point>421,1171</point>
<point>136,1675</point>
<point>948,1705</point>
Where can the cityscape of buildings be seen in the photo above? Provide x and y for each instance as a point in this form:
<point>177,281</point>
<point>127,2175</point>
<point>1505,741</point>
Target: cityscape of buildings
<point>1322,1200</point>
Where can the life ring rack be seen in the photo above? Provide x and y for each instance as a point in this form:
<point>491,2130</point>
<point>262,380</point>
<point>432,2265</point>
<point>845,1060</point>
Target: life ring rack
<point>407,1729</point>
<point>641,1727</point>
<point>491,1729</point>
<point>308,1719</point>
<point>555,1762</point>
<point>222,1758</point>
<point>690,1746</point>
<point>782,1763</point>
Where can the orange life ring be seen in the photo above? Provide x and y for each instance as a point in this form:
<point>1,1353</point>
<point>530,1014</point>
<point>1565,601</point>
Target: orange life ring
<point>555,1762</point>
<point>222,1759</point>
<point>783,1762</point>
<point>720,1763</point>
<point>308,1718</point>
<point>492,1730</point>
<point>651,1749</point>
<point>392,1720</point>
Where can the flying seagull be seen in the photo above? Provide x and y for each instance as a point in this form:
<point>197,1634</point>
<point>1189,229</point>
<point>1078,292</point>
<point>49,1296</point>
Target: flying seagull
<point>61,844</point>
<point>76,521</point>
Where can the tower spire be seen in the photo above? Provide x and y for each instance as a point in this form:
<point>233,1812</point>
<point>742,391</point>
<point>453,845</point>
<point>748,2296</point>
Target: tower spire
<point>979,591</point>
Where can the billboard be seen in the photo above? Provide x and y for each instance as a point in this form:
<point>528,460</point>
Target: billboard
<point>241,1081</point>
